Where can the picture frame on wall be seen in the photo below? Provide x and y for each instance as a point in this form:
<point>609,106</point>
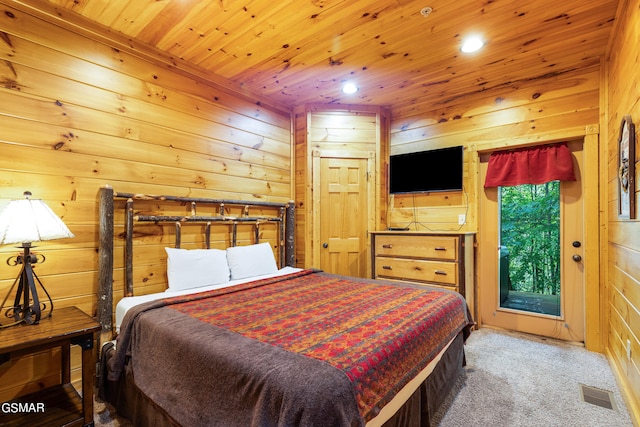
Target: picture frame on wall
<point>626,169</point>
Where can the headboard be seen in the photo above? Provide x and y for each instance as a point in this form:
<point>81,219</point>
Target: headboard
<point>281,215</point>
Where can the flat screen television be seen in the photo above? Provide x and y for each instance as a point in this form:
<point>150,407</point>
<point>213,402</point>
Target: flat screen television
<point>426,171</point>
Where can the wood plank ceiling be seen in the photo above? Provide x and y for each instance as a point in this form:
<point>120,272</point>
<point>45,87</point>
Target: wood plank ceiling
<point>297,52</point>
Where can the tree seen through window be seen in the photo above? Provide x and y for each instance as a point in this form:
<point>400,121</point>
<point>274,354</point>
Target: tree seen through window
<point>530,231</point>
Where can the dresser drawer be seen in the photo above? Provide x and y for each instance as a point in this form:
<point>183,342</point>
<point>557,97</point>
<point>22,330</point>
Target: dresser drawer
<point>443,259</point>
<point>416,269</point>
<point>440,247</point>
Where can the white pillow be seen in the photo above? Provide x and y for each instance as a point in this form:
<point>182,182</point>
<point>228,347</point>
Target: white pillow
<point>193,268</point>
<point>252,260</point>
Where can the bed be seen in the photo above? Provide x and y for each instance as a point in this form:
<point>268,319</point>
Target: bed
<point>268,344</point>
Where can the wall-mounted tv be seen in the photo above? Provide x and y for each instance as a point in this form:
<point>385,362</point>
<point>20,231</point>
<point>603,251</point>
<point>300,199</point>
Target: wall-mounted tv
<point>426,171</point>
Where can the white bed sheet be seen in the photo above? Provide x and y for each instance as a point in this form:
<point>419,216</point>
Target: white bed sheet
<point>127,303</point>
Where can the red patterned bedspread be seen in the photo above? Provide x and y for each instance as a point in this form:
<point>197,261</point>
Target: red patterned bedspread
<point>380,335</point>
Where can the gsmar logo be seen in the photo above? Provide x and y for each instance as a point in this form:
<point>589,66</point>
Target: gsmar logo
<point>22,407</point>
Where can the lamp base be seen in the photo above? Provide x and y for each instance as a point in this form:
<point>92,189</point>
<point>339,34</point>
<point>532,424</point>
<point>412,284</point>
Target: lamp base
<point>27,306</point>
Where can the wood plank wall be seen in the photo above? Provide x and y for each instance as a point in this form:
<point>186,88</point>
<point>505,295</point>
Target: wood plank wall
<point>334,131</point>
<point>623,279</point>
<point>303,183</point>
<point>565,107</point>
<point>530,112</point>
<point>548,110</point>
<point>77,113</point>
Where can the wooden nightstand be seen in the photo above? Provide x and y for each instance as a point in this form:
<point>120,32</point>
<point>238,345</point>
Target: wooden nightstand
<point>60,405</point>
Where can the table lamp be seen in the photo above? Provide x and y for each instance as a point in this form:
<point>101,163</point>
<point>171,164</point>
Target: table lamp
<point>25,221</point>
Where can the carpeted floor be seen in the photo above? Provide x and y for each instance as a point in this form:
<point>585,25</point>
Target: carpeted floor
<point>512,380</point>
<point>526,381</point>
<point>105,415</point>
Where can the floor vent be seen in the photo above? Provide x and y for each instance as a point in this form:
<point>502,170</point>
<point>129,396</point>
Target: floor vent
<point>598,397</point>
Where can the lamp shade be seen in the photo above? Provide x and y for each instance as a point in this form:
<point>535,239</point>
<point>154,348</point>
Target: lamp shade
<point>29,220</point>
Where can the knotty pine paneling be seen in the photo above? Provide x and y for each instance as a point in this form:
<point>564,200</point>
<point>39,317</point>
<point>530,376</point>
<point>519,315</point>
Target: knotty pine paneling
<point>303,183</point>
<point>403,59</point>
<point>335,131</point>
<point>547,110</point>
<point>623,274</point>
<point>77,113</point>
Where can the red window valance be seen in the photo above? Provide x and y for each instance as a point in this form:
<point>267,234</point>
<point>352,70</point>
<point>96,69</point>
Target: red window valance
<point>530,165</point>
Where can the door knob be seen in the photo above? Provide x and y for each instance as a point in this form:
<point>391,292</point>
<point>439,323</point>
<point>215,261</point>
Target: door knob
<point>577,258</point>
<point>325,245</point>
<point>576,244</point>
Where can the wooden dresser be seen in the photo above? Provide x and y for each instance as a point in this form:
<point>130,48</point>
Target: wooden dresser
<point>438,259</point>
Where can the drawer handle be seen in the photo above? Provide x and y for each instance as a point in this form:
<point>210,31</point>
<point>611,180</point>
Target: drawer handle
<point>441,272</point>
<point>440,248</point>
<point>387,246</point>
<point>387,267</point>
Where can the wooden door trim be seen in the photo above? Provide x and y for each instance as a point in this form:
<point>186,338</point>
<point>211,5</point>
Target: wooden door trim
<point>337,154</point>
<point>594,229</point>
<point>570,323</point>
<point>595,299</point>
<point>317,155</point>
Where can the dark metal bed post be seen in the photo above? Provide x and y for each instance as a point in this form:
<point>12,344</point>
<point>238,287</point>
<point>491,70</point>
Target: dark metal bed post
<point>289,247</point>
<point>105,264</point>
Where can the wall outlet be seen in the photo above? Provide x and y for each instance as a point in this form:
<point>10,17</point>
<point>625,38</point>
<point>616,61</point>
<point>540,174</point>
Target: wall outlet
<point>629,350</point>
<point>462,218</point>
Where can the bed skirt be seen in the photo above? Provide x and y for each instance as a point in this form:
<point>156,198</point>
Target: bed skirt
<point>417,411</point>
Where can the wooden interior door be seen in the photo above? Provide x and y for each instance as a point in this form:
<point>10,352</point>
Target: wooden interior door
<point>343,215</point>
<point>569,325</point>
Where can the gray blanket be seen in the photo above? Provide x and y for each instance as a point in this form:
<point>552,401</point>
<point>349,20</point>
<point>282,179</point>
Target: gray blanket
<point>207,376</point>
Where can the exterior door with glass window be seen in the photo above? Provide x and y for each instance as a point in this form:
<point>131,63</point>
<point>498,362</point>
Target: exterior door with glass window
<point>531,266</point>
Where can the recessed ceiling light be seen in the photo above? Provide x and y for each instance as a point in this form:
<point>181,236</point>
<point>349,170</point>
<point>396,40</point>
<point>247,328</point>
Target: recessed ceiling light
<point>349,88</point>
<point>472,44</point>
